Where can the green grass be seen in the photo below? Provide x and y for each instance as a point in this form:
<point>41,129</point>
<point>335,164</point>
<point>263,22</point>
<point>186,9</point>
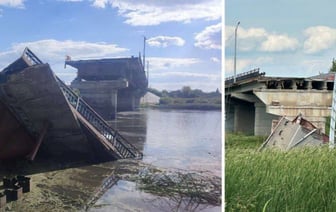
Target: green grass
<point>213,103</point>
<point>298,180</point>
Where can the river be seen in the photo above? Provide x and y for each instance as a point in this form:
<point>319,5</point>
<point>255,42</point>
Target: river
<point>173,139</point>
<point>183,146</point>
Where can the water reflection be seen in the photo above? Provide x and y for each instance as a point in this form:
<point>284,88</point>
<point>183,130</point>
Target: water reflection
<point>188,140</point>
<point>125,196</point>
<point>133,126</point>
<point>184,139</point>
<point>171,139</point>
<point>175,138</point>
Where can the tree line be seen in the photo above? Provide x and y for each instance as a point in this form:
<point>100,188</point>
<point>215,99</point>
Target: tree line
<point>185,92</point>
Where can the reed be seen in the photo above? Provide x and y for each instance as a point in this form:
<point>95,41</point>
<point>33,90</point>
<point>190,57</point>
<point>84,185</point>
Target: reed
<point>298,180</point>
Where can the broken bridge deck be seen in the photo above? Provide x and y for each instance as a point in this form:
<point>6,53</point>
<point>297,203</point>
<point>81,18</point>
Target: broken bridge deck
<point>54,117</point>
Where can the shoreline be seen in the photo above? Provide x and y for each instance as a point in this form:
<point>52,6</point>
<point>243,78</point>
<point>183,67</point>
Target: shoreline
<point>205,107</point>
<point>69,188</point>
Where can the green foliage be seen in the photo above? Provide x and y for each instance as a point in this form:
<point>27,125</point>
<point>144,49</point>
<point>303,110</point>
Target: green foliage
<point>187,98</point>
<point>190,103</point>
<point>327,125</point>
<point>298,180</point>
<point>243,141</point>
<point>165,101</point>
<point>185,92</point>
<point>333,66</point>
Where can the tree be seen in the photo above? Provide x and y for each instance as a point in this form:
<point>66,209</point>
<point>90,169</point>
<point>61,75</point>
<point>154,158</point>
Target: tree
<point>186,91</point>
<point>333,66</point>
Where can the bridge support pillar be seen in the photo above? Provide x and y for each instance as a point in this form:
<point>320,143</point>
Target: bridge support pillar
<point>101,95</point>
<point>128,99</point>
<point>263,120</point>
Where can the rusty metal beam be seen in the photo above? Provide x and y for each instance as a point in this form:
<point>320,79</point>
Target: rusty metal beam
<point>42,134</point>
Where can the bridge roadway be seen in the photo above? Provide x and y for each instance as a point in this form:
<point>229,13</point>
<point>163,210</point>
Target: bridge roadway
<point>49,117</point>
<point>256,102</point>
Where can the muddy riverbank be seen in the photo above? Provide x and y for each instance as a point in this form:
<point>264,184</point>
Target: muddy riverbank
<point>83,188</point>
<point>180,170</point>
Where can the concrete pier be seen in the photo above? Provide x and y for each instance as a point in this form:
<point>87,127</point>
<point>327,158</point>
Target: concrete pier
<point>110,85</point>
<point>101,95</point>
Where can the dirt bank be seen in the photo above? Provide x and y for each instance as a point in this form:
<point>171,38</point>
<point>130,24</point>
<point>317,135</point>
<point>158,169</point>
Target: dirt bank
<point>78,188</point>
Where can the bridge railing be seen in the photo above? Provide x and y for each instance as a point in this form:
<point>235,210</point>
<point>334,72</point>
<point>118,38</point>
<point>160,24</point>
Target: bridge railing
<point>124,148</point>
<point>244,75</point>
<point>31,57</point>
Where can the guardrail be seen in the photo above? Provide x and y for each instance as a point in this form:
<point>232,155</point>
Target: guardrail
<point>124,148</point>
<point>31,57</point>
<point>245,75</point>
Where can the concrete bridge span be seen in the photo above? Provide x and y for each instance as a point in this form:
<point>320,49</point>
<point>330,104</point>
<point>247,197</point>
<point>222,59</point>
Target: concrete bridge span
<point>110,85</point>
<point>256,102</point>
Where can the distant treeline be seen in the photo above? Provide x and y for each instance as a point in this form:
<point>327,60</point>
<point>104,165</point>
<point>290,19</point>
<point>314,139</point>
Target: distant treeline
<point>185,92</point>
<point>187,98</point>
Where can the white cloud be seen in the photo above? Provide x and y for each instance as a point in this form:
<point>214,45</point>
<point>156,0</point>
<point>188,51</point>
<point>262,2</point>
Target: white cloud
<point>176,80</point>
<point>80,49</point>
<point>276,43</point>
<point>244,65</point>
<point>247,39</point>
<point>54,52</point>
<point>12,3</point>
<point>215,59</point>
<point>210,37</point>
<point>259,39</point>
<point>203,76</point>
<point>71,0</point>
<point>205,85</point>
<point>144,13</point>
<point>161,64</point>
<point>100,3</point>
<point>319,38</point>
<point>173,73</point>
<point>164,41</point>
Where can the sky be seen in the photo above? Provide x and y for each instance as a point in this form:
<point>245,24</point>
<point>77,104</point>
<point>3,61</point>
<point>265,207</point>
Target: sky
<point>294,38</point>
<point>183,38</point>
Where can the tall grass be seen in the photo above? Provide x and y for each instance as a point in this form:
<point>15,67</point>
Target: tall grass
<point>298,180</point>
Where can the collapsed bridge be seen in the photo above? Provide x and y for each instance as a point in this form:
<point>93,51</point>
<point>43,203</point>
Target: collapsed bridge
<point>39,111</point>
<point>110,85</point>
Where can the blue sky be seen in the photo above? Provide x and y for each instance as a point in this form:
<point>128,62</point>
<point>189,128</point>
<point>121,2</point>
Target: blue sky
<point>283,38</point>
<point>183,37</point>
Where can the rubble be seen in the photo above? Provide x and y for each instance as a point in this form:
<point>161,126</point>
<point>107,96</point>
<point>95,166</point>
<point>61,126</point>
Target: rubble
<point>289,134</point>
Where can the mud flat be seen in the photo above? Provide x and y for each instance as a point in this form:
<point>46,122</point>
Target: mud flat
<point>84,188</point>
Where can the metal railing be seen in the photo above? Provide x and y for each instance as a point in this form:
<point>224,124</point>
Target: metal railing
<point>244,75</point>
<point>31,57</point>
<point>124,148</point>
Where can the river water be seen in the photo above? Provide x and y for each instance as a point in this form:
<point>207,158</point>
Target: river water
<point>171,139</point>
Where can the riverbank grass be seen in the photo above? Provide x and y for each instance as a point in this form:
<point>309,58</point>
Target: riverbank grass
<point>298,180</point>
